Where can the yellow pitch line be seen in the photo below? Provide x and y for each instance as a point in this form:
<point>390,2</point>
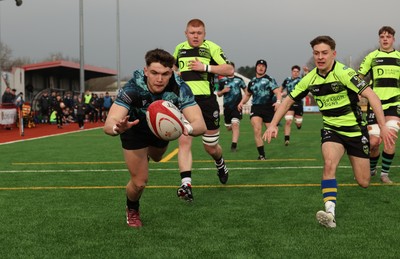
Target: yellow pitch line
<point>67,163</point>
<point>164,160</point>
<point>170,155</point>
<point>173,186</point>
<point>261,161</point>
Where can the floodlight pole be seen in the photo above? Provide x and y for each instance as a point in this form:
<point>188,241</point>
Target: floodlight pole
<point>118,50</point>
<point>81,50</point>
<point>1,57</point>
<point>18,3</point>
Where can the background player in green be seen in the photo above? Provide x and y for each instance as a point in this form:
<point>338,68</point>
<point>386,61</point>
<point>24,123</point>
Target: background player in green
<point>230,88</point>
<point>383,65</point>
<point>296,110</point>
<point>127,117</point>
<point>266,98</point>
<point>198,60</point>
<point>335,88</point>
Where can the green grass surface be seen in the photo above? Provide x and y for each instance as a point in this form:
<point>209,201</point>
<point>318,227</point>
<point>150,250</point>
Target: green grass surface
<point>64,197</point>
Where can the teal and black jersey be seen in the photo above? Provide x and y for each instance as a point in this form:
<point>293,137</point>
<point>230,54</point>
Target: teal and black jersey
<point>136,97</point>
<point>262,90</point>
<point>289,83</point>
<point>384,69</point>
<point>209,53</point>
<point>336,95</point>
<point>234,96</point>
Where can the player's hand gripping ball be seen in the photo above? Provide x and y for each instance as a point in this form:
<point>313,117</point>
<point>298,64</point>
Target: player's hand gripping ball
<point>165,120</point>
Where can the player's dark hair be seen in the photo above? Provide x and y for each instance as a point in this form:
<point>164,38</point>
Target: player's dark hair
<point>159,56</point>
<point>323,39</point>
<point>296,67</point>
<point>387,29</point>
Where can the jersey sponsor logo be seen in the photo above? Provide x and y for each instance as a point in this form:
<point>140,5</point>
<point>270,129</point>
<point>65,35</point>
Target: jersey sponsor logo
<point>314,89</point>
<point>204,53</point>
<point>366,149</point>
<point>181,64</point>
<point>364,140</point>
<point>358,82</point>
<point>352,73</point>
<point>125,98</point>
<point>388,72</point>
<point>335,87</point>
<point>330,102</point>
<point>215,114</point>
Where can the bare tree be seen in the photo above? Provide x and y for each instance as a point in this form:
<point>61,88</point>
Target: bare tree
<point>19,62</point>
<point>5,56</point>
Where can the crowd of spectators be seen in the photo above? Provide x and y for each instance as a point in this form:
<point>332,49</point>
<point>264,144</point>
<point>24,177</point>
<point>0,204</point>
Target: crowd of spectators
<point>73,108</point>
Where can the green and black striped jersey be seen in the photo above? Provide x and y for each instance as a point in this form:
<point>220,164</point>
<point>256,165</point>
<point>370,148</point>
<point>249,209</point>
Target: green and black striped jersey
<point>209,53</point>
<point>384,69</point>
<point>336,95</point>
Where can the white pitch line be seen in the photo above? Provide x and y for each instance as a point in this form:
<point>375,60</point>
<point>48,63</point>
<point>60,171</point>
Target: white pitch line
<point>168,169</point>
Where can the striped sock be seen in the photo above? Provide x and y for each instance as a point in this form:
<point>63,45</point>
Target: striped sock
<point>329,190</point>
<point>386,162</point>
<point>373,161</point>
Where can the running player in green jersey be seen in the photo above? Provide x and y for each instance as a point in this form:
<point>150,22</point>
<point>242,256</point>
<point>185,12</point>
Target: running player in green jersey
<point>230,88</point>
<point>198,60</point>
<point>335,88</point>
<point>383,65</point>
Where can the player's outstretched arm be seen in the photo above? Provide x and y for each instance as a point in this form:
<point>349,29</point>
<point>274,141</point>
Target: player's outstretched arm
<point>117,121</point>
<point>272,130</point>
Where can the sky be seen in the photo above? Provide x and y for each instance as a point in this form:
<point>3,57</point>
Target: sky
<point>277,31</point>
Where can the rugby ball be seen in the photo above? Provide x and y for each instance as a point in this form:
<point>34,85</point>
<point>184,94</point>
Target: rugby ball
<point>165,120</point>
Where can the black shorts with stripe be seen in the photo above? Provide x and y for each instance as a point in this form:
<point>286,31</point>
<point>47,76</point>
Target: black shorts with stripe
<point>210,109</point>
<point>230,113</point>
<point>297,108</point>
<point>355,146</point>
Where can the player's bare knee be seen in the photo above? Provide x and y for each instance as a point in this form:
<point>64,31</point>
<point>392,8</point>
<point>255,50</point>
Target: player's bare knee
<point>213,151</point>
<point>374,143</point>
<point>137,185</point>
<point>364,183</point>
<point>329,166</point>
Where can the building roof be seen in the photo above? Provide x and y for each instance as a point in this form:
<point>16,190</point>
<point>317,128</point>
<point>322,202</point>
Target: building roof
<point>62,68</point>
